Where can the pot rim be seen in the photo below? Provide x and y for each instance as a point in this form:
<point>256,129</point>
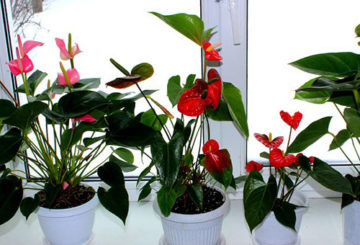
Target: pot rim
<point>66,212</point>
<point>196,218</point>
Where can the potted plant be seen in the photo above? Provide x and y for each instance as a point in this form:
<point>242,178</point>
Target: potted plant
<point>274,209</point>
<point>337,82</point>
<point>60,138</point>
<point>186,160</point>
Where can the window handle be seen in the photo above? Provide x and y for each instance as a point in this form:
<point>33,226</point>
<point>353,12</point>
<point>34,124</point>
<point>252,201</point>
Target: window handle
<point>235,20</point>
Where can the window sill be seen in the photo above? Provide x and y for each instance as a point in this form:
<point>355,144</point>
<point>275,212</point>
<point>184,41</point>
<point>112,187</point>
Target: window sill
<point>322,224</point>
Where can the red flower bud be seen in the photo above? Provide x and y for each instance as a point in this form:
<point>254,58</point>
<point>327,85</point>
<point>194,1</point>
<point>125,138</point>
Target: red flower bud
<point>253,166</point>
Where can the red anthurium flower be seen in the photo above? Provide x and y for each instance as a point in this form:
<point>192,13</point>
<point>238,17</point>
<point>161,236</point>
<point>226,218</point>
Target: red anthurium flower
<point>215,160</point>
<point>253,166</point>
<point>279,160</point>
<point>191,102</point>
<point>312,159</point>
<point>292,121</point>
<point>64,53</point>
<point>214,88</point>
<point>73,75</point>
<point>210,52</point>
<point>268,141</point>
<point>85,118</point>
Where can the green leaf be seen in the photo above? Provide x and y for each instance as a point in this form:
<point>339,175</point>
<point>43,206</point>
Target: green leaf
<point>189,82</point>
<point>316,97</point>
<point>120,67</point>
<point>352,118</point>
<point>6,109</point>
<point>80,103</point>
<point>34,80</point>
<point>221,113</point>
<point>357,30</point>
<point>260,198</point>
<point>190,26</point>
<point>240,179</point>
<point>232,96</point>
<point>125,166</point>
<point>146,189</point>
<point>10,144</point>
<point>195,192</point>
<point>285,214</point>
<point>125,154</point>
<point>167,196</point>
<point>149,119</point>
<point>310,135</point>
<point>327,176</point>
<point>22,117</point>
<point>11,193</point>
<point>332,64</point>
<point>52,192</point>
<point>264,155</point>
<point>90,141</point>
<point>111,174</point>
<point>288,182</point>
<point>144,70</point>
<point>145,172</point>
<point>115,200</point>
<point>340,139</point>
<point>174,90</point>
<point>207,33</point>
<point>29,205</point>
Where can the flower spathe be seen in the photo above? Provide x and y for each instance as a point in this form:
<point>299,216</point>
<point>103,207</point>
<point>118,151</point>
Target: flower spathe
<point>64,53</point>
<point>293,121</point>
<point>22,63</point>
<point>210,51</point>
<point>278,159</point>
<point>268,141</point>
<point>85,118</point>
<point>201,96</point>
<point>73,75</point>
<point>217,162</point>
<point>253,166</point>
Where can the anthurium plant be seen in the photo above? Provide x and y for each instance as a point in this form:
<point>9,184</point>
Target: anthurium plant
<point>185,158</point>
<point>59,133</point>
<point>337,82</point>
<point>288,168</point>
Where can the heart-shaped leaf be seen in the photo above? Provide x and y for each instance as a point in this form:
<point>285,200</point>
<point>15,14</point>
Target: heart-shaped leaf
<point>10,144</point>
<point>11,193</point>
<point>29,205</point>
<point>115,200</point>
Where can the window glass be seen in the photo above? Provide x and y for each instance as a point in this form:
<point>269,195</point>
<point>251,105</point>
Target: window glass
<point>123,30</point>
<point>283,31</point>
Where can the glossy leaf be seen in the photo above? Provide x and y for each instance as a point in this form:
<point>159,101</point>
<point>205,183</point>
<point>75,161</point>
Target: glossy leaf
<point>232,96</point>
<point>146,189</point>
<point>11,193</point>
<point>125,166</point>
<point>316,97</point>
<point>340,139</point>
<point>115,200</point>
<point>29,205</point>
<point>111,174</point>
<point>52,192</point>
<point>333,64</point>
<point>190,26</point>
<point>22,117</point>
<point>149,119</point>
<point>352,118</point>
<point>125,154</point>
<point>145,172</point>
<point>6,109</point>
<point>34,80</point>
<point>167,196</point>
<point>221,113</point>
<point>325,84</point>
<point>310,135</point>
<point>79,103</point>
<point>285,214</point>
<point>195,192</point>
<point>174,90</point>
<point>259,200</point>
<point>10,144</point>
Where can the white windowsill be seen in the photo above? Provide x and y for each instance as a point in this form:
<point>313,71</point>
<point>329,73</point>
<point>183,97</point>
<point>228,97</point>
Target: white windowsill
<point>322,224</point>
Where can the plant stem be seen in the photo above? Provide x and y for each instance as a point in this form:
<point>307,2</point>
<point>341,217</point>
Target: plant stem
<point>8,92</point>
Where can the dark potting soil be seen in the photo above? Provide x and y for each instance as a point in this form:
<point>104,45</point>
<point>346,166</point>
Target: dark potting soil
<point>212,200</point>
<point>71,197</point>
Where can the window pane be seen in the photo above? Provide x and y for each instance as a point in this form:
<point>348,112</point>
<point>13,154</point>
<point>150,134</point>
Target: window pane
<point>123,30</point>
<point>282,31</point>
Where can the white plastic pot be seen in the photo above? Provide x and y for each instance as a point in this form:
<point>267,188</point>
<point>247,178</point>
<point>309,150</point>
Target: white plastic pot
<point>194,229</point>
<point>351,222</point>
<point>271,232</point>
<point>70,226</point>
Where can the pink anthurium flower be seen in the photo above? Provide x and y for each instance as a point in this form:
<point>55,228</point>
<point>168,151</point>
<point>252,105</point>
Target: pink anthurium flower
<point>73,75</point>
<point>64,53</point>
<point>65,185</point>
<point>22,63</point>
<point>85,118</point>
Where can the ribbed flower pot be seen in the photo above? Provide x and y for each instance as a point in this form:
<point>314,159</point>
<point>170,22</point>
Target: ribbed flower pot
<point>351,222</point>
<point>194,229</point>
<point>70,226</point>
<point>271,232</point>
